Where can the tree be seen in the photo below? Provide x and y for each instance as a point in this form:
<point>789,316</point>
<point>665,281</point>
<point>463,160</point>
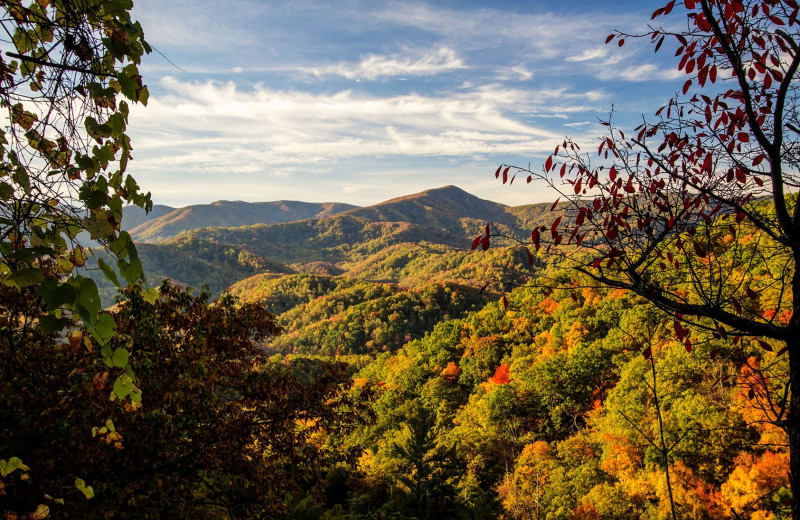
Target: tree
<point>65,82</point>
<point>65,87</point>
<point>695,210</point>
<point>221,432</point>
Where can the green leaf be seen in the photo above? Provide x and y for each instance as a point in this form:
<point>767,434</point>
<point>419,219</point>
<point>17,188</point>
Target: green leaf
<point>10,465</point>
<point>88,300</point>
<point>87,491</point>
<point>103,330</point>
<point>120,357</point>
<point>6,191</point>
<point>143,95</point>
<point>52,323</point>
<point>123,387</point>
<point>20,176</point>
<point>150,295</point>
<point>108,271</point>
<point>56,294</point>
<point>26,277</point>
<point>131,271</point>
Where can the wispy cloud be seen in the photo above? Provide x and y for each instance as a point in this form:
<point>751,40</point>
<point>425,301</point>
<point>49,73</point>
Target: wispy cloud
<point>589,54</point>
<point>645,72</point>
<point>206,125</point>
<point>383,89</point>
<point>375,66</point>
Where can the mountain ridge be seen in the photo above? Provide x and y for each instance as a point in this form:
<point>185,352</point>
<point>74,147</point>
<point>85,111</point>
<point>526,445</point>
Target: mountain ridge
<point>224,213</point>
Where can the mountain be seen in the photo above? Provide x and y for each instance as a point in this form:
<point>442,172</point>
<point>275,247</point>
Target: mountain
<point>448,216</point>
<point>168,224</point>
<point>133,216</point>
<point>449,208</point>
<point>411,241</point>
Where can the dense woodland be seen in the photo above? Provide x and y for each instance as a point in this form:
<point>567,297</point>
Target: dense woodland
<point>321,361</point>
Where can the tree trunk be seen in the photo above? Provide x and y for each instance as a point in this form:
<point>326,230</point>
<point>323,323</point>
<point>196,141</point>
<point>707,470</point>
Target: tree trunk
<point>793,351</point>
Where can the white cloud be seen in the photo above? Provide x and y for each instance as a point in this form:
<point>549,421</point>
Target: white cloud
<point>645,72</point>
<point>375,66</point>
<point>589,54</point>
<point>210,126</point>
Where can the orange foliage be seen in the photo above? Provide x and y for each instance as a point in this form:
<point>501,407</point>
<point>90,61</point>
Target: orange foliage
<point>616,293</point>
<point>501,375</point>
<point>548,305</point>
<point>752,404</point>
<point>577,331</point>
<point>451,372</point>
<point>584,512</point>
<point>621,456</point>
<point>590,296</point>
<point>783,317</point>
<point>755,476</point>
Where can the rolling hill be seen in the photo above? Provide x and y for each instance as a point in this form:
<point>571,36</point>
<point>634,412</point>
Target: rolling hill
<point>448,216</point>
<point>168,222</point>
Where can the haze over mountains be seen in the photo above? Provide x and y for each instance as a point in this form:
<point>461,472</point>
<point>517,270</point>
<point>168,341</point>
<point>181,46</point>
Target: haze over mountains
<point>449,209</point>
<point>166,222</point>
<point>412,240</point>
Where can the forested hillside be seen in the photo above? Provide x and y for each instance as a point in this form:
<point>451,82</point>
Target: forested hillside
<point>630,351</point>
<point>165,223</point>
<point>499,387</point>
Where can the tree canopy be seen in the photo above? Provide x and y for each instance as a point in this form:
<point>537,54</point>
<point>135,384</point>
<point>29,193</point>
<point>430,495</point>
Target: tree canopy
<point>696,208</point>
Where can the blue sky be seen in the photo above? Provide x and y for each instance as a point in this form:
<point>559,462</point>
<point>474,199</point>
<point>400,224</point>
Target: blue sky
<point>359,102</point>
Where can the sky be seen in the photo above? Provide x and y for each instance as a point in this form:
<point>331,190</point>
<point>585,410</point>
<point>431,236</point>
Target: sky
<point>362,101</point>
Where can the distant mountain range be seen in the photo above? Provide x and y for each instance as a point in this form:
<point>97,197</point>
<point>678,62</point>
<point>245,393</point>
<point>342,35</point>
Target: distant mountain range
<point>165,222</point>
<point>411,240</point>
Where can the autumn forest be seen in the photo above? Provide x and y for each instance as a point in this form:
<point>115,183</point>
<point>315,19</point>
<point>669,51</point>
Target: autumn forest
<point>629,350</point>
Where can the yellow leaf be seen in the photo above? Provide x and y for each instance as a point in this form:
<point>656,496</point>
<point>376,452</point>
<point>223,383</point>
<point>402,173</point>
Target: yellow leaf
<point>41,512</point>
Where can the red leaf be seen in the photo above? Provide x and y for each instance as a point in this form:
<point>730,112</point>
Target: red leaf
<point>687,85</point>
<point>699,250</point>
<point>688,345</point>
<point>485,243</point>
<point>578,186</point>
<point>610,37</point>
<point>476,242</point>
<point>751,293</point>
<point>530,256</point>
<point>555,204</point>
<point>736,305</point>
<point>708,163</point>
<point>535,238</point>
<point>680,331</point>
<point>648,352</point>
<point>505,302</point>
<point>548,164</point>
<point>497,173</point>
<point>713,354</point>
<point>743,137</point>
<point>612,174</point>
<point>689,4</point>
<point>487,230</point>
<point>766,346</point>
<point>554,227</point>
